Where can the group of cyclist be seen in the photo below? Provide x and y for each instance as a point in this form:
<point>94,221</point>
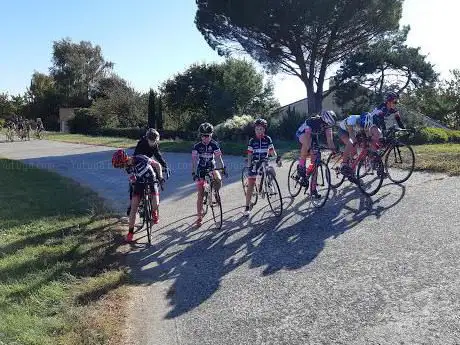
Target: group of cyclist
<point>148,164</point>
<point>22,126</point>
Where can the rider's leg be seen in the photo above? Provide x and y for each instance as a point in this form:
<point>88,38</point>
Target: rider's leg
<point>305,140</point>
<point>376,135</point>
<point>155,195</point>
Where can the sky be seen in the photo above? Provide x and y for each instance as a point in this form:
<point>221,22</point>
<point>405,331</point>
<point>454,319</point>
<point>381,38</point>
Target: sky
<point>151,40</point>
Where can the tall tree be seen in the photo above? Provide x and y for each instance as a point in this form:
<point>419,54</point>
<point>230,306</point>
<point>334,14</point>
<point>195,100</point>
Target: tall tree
<point>160,119</point>
<point>6,106</point>
<point>300,37</point>
<point>387,64</point>
<point>76,69</point>
<point>215,92</point>
<point>152,118</point>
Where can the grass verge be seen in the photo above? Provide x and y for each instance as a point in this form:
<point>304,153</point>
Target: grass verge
<point>61,278</point>
<point>443,158</point>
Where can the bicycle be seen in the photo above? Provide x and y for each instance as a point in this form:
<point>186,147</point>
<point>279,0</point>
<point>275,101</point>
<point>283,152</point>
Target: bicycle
<point>145,207</point>
<point>402,153</point>
<point>320,172</point>
<point>266,185</point>
<point>211,197</point>
<point>365,163</point>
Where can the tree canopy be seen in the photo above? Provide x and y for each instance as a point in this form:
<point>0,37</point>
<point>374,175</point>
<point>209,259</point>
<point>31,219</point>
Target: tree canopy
<point>215,92</point>
<point>300,37</point>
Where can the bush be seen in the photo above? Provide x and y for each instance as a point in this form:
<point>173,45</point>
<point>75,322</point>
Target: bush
<point>430,135</point>
<point>84,122</point>
<point>236,128</point>
<point>454,136</point>
<point>285,126</point>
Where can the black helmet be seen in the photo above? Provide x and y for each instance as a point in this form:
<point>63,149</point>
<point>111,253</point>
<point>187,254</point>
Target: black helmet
<point>205,129</point>
<point>391,96</point>
<point>260,122</point>
<point>152,134</point>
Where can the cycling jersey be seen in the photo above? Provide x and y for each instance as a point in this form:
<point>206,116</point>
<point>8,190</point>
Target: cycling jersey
<point>142,169</point>
<point>260,147</point>
<point>381,112</point>
<point>315,125</point>
<point>355,121</point>
<point>143,148</point>
<point>206,153</point>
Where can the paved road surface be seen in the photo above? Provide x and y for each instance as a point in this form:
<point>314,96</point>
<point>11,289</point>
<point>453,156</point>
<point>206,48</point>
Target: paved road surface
<point>360,271</point>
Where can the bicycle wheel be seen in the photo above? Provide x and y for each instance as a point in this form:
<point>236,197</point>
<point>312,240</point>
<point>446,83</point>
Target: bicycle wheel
<point>148,207</point>
<point>294,185</point>
<point>216,207</point>
<point>333,163</point>
<point>273,192</point>
<point>244,182</point>
<point>400,163</point>
<point>323,185</point>
<point>370,173</point>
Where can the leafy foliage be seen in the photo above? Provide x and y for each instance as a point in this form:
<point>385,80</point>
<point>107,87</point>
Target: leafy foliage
<point>216,92</point>
<point>386,64</point>
<point>303,38</point>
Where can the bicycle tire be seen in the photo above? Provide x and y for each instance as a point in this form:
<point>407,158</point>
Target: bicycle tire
<point>216,214</point>
<point>335,170</point>
<point>380,169</point>
<point>395,150</point>
<point>292,176</point>
<point>327,175</point>
<point>148,207</point>
<point>272,179</point>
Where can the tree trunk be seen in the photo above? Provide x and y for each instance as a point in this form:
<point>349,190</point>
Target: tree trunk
<point>151,120</point>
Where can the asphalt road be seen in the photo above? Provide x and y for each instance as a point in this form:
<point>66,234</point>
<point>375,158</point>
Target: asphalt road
<point>383,270</point>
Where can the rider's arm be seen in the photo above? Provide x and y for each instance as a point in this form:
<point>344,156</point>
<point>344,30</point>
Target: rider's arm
<point>351,134</point>
<point>249,151</point>
<point>398,120</point>
<point>159,157</point>
<point>218,155</point>
<point>329,138</point>
<point>157,166</point>
<point>194,160</point>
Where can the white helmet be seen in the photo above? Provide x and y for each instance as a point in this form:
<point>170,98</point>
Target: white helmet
<point>328,116</point>
<point>368,121</point>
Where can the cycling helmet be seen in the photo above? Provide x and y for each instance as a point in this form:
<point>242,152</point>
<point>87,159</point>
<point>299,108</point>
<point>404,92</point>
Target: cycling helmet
<point>391,96</point>
<point>367,120</point>
<point>260,122</point>
<point>328,116</point>
<point>152,134</point>
<point>205,129</point>
<point>119,158</point>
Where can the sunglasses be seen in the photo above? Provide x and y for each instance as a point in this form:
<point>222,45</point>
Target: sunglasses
<point>205,135</point>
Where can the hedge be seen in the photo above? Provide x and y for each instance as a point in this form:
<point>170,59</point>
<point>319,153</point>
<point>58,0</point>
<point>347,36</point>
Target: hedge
<point>433,135</point>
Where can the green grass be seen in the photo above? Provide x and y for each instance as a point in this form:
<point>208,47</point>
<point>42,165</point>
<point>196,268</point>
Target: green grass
<point>443,158</point>
<point>57,259</point>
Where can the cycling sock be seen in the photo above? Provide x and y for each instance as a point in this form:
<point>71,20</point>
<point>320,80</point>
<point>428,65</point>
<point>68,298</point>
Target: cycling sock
<point>302,162</point>
<point>131,230</point>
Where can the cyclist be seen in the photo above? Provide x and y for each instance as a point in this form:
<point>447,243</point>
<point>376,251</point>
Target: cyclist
<point>260,146</point>
<point>141,171</point>
<point>148,146</point>
<point>349,129</point>
<point>204,154</point>
<point>381,112</point>
<point>39,126</point>
<point>313,126</point>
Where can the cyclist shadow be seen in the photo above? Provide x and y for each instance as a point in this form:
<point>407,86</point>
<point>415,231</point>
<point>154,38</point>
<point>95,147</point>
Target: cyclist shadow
<point>293,246</point>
